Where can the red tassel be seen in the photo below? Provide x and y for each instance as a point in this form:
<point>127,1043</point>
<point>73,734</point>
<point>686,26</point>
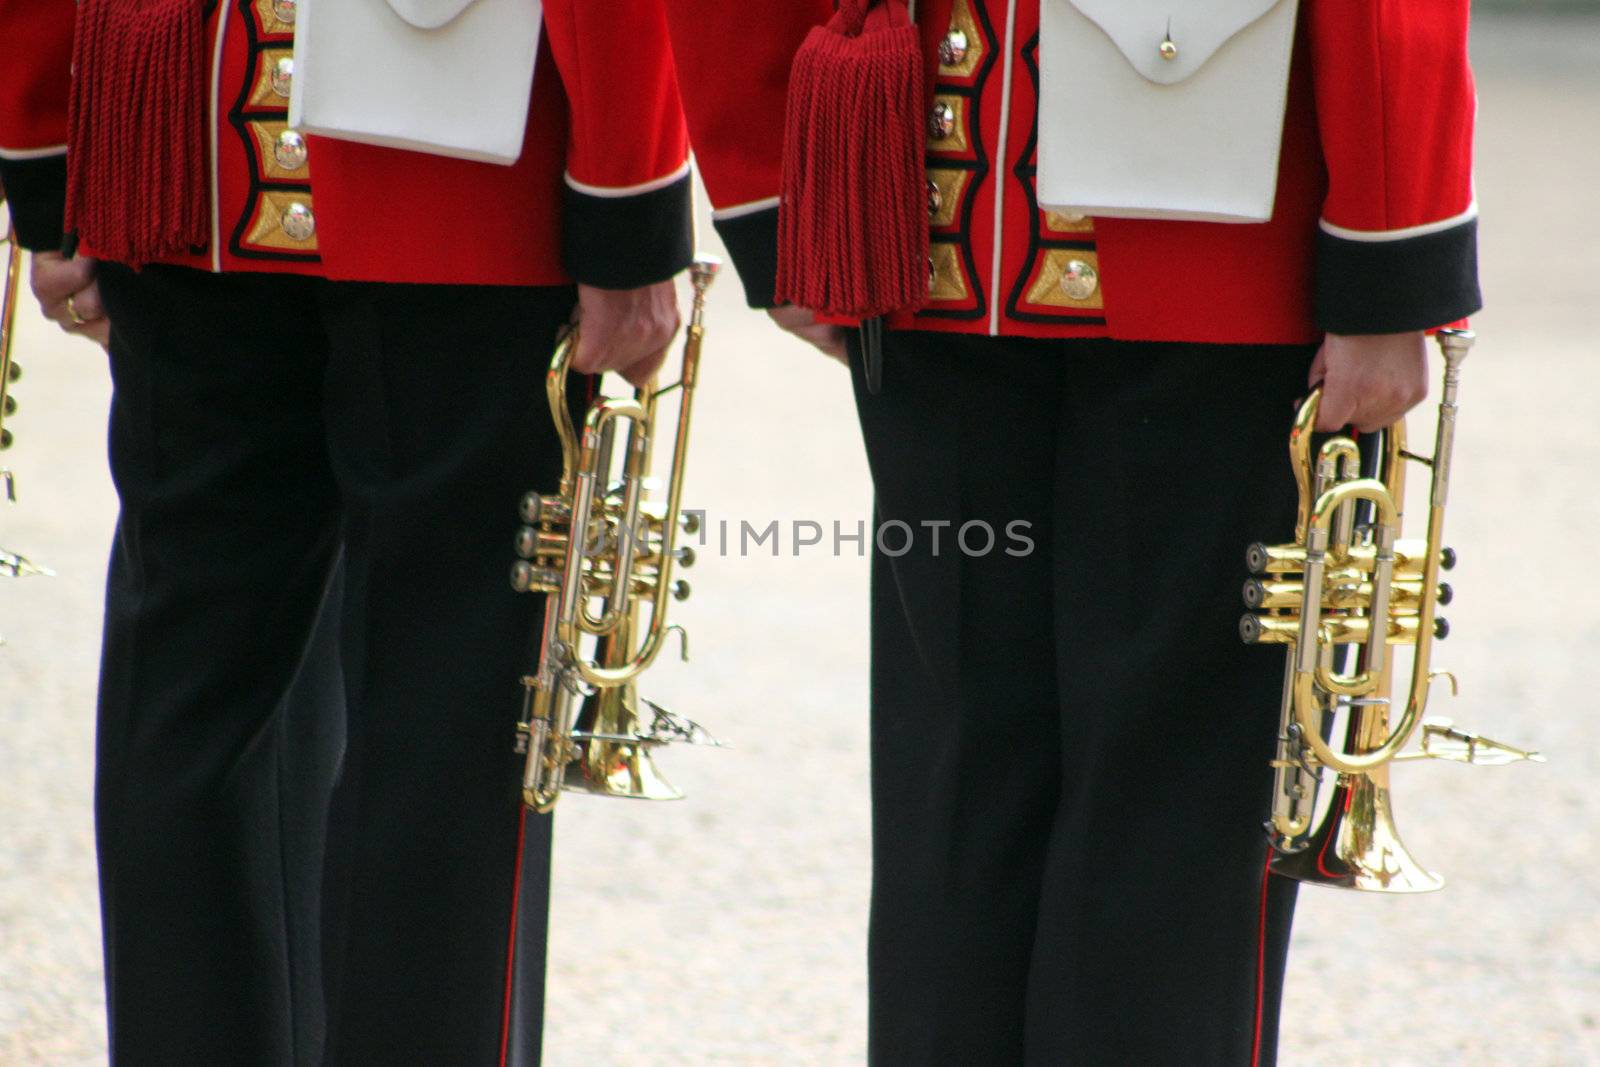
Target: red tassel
<point>136,159</point>
<point>853,215</point>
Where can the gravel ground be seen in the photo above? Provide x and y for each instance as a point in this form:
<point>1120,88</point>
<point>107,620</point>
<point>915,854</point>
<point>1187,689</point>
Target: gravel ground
<point>728,930</point>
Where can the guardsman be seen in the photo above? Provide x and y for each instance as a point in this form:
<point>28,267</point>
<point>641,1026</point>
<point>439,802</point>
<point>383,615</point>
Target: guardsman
<point>1070,745</point>
<point>327,351</point>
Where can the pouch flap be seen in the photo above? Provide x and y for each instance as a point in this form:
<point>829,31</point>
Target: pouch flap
<point>1196,28</point>
<point>428,14</point>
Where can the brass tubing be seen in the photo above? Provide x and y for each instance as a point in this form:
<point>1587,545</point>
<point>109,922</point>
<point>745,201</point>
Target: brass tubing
<point>1409,558</point>
<point>1305,422</point>
<point>555,388</point>
<point>694,336</point>
<point>1455,345</point>
<point>1332,629</point>
<point>8,320</point>
<point>546,706</point>
<point>602,417</point>
<point>1347,591</point>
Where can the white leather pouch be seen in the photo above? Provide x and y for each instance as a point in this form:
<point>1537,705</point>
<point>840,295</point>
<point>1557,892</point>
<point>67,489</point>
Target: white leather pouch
<point>448,77</point>
<point>1166,109</point>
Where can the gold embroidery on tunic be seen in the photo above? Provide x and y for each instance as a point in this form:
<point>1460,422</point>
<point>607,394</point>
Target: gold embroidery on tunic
<point>949,281</point>
<point>267,229</point>
<point>1046,289</point>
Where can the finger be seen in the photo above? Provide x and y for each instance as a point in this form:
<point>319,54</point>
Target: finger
<point>642,371</point>
<point>56,312</point>
<point>54,279</point>
<point>830,340</point>
<point>87,303</point>
<point>99,332</point>
<point>1387,404</point>
<point>1319,368</point>
<point>596,341</point>
<point>791,318</point>
<point>1338,407</point>
<point>655,340</point>
<point>1377,416</point>
<point>592,344</point>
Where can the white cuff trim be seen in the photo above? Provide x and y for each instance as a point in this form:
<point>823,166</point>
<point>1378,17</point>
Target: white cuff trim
<point>615,192</point>
<point>1374,236</point>
<point>739,211</point>
<point>33,153</point>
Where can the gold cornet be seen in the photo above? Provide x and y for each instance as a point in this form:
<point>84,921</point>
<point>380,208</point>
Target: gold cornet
<point>1372,590</point>
<point>602,555</point>
<point>12,565</point>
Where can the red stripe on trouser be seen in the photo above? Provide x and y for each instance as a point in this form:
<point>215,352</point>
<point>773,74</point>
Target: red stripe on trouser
<point>1261,960</point>
<point>511,946</point>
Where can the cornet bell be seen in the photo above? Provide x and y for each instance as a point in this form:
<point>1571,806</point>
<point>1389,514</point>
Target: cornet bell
<point>609,756</point>
<point>1357,846</point>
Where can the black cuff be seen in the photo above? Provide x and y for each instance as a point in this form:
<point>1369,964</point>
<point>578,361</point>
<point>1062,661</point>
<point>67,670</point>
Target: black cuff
<point>752,242</point>
<point>624,242</point>
<point>36,192</point>
<point>1397,286</point>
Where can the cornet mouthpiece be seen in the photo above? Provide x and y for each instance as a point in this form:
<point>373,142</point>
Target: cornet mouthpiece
<point>1456,343</point>
<point>704,271</point>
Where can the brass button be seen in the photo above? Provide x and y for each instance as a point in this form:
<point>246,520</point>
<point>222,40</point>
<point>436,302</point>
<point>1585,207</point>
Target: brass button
<point>283,75</point>
<point>290,150</point>
<point>935,199</point>
<point>953,49</point>
<point>1079,279</point>
<point>941,121</point>
<point>283,10</point>
<point>1169,50</point>
<point>299,224</point>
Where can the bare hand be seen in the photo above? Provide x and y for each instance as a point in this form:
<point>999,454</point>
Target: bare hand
<point>625,330</point>
<point>1369,381</point>
<point>55,280</point>
<point>802,322</point>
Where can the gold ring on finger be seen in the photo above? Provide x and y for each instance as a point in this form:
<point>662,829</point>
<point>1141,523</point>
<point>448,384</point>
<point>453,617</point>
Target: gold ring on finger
<point>72,310</point>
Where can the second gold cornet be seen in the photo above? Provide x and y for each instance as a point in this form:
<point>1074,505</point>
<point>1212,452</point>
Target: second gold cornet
<point>12,565</point>
<point>604,556</point>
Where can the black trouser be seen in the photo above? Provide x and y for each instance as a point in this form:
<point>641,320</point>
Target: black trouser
<point>1070,744</point>
<point>263,427</point>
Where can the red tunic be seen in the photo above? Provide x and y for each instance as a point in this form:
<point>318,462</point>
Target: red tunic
<point>1373,231</point>
<point>600,194</point>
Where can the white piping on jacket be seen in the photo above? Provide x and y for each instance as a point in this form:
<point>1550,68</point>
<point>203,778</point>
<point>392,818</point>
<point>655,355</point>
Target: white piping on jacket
<point>999,172</point>
<point>618,191</point>
<point>739,211</point>
<point>212,112</point>
<point>1378,236</point>
<point>33,153</point>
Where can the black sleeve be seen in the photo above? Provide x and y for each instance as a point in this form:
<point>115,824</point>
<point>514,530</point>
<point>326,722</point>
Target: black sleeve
<point>752,242</point>
<point>36,192</point>
<point>1415,283</point>
<point>624,242</point>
